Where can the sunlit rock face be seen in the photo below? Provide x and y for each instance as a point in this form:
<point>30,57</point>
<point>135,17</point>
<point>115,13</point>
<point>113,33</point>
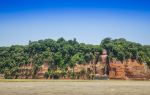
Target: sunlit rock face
<point>103,56</point>
<point>42,70</point>
<point>135,70</point>
<point>26,70</point>
<point>117,70</point>
<point>129,69</point>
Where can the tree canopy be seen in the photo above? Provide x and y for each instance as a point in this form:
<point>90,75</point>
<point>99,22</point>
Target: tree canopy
<point>62,53</point>
<point>121,49</point>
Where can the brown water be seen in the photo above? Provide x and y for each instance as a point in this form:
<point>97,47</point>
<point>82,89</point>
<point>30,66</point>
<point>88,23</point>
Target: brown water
<point>101,87</point>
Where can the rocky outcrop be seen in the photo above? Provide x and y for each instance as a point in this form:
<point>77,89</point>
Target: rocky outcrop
<point>26,71</point>
<point>135,70</point>
<point>117,70</point>
<point>42,70</point>
<point>130,69</point>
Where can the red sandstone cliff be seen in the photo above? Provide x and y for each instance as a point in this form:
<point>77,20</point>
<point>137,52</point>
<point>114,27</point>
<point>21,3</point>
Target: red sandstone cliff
<point>130,69</point>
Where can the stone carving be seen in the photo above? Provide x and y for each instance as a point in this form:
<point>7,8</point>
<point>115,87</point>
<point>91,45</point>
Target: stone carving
<point>103,58</point>
<point>128,69</point>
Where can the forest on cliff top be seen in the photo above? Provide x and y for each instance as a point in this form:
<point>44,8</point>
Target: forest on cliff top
<point>64,53</point>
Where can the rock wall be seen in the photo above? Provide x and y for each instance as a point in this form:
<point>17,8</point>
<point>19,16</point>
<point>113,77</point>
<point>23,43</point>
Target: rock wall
<point>117,70</point>
<point>130,69</point>
<point>42,70</point>
<point>135,70</point>
<point>25,71</point>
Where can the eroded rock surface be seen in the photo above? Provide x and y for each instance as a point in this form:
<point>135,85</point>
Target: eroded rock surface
<point>130,69</point>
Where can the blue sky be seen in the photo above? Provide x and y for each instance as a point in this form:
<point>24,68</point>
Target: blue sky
<point>87,20</point>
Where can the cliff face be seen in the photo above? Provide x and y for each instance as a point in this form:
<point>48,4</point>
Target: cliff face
<point>117,70</point>
<point>135,70</point>
<point>26,71</point>
<point>103,69</point>
<point>42,70</point>
<point>130,69</point>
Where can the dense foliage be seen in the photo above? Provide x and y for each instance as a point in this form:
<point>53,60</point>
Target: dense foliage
<point>62,53</point>
<point>121,49</point>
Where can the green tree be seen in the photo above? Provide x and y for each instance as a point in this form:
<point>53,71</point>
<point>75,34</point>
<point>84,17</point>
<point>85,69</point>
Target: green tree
<point>46,75</point>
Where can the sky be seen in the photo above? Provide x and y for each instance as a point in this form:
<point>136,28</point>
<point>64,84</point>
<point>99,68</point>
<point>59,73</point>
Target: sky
<point>89,21</point>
